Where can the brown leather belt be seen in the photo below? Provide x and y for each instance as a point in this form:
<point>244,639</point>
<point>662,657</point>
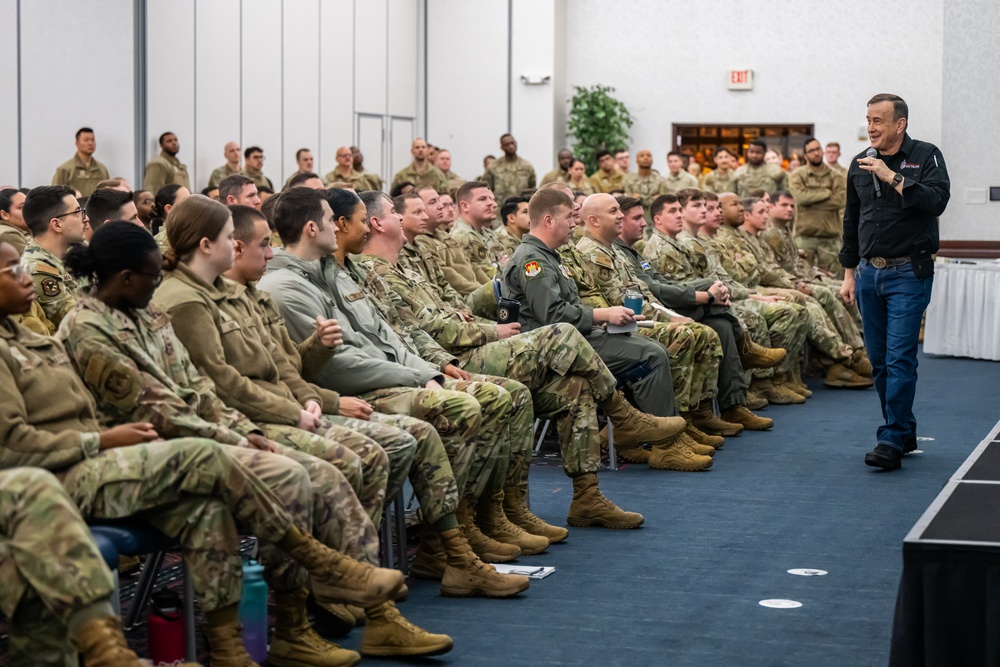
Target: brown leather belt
<point>883,262</point>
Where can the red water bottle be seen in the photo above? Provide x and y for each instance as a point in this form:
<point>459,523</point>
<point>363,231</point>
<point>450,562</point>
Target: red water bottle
<point>165,628</point>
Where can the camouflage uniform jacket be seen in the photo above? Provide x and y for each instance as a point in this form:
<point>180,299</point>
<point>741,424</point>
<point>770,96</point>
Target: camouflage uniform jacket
<point>476,247</point>
<point>219,174</point>
<point>55,288</point>
<point>164,169</point>
<point>426,257</point>
<point>302,290</point>
<point>736,258</point>
<point>441,252</point>
<point>646,188</point>
<point>603,182</point>
<point>138,370</point>
<point>717,182</point>
<point>572,265</point>
<point>227,342</point>
<point>671,184</point>
<point>74,173</point>
<point>506,244</point>
<point>606,271</point>
<point>820,195</point>
<point>778,238</point>
<point>706,263</point>
<point>357,180</point>
<point>557,175</point>
<point>258,178</point>
<point>670,258</point>
<point>584,186</point>
<point>14,236</point>
<point>669,292</point>
<point>507,178</point>
<point>766,177</point>
<point>454,180</point>
<point>36,430</point>
<point>419,306</point>
<point>374,180</point>
<point>431,176</point>
<point>771,273</point>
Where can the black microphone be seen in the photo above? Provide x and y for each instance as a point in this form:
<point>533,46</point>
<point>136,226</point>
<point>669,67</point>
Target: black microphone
<point>871,152</point>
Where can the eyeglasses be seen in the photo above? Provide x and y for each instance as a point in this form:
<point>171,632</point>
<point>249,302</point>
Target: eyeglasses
<point>814,150</point>
<point>83,214</point>
<point>157,277</point>
<point>17,272</point>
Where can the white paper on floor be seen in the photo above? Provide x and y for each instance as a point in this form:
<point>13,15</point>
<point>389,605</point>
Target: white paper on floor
<point>780,604</point>
<point>807,572</point>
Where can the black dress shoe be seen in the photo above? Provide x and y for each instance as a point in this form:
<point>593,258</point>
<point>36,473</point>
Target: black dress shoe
<point>884,457</point>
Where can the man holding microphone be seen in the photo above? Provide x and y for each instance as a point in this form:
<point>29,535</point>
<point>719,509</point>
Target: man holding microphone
<point>895,192</point>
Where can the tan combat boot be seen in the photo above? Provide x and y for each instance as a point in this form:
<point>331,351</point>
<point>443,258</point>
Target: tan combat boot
<point>487,548</point>
<point>591,508</point>
<point>295,643</point>
<point>754,400</point>
<point>785,382</point>
<point>794,380</point>
<point>515,506</point>
<point>636,454</point>
<point>702,438</point>
<point>495,525</point>
<point>776,393</point>
<point>388,634</point>
<point>738,414</point>
<point>841,377</point>
<point>695,446</point>
<point>860,363</point>
<point>103,644</point>
<point>466,575</point>
<point>633,427</point>
<point>225,641</point>
<point>339,578</point>
<point>753,355</point>
<point>430,561</point>
<point>680,457</point>
<point>705,419</point>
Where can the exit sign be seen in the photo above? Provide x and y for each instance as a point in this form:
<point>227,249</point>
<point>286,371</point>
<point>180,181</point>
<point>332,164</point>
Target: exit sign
<point>740,79</point>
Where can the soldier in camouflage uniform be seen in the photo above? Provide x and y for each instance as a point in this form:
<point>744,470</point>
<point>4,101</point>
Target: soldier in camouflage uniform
<point>233,165</point>
<point>12,227</point>
<point>608,177</point>
<point>820,193</point>
<point>688,254</point>
<point>477,211</point>
<point>723,179</point>
<point>55,587</point>
<point>677,178</point>
<point>165,168</point>
<point>147,373</point>
<point>514,214</point>
<point>421,171</point>
<point>191,489</point>
<point>757,174</point>
<point>745,261</point>
<point>82,172</point>
<point>54,287</point>
<point>695,349</point>
<point>645,184</point>
<point>510,174</point>
<point>344,172</point>
<point>432,251</point>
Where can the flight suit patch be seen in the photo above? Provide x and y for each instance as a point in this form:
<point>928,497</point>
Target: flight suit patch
<point>50,287</point>
<point>531,269</point>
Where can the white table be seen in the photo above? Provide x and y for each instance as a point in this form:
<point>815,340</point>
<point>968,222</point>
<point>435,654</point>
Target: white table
<point>963,318</point>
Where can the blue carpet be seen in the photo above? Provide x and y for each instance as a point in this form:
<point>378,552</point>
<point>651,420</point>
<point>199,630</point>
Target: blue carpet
<point>684,589</point>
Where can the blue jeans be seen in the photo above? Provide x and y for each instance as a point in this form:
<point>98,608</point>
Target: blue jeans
<point>892,302</point>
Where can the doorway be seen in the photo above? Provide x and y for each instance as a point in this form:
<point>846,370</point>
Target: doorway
<point>701,140</point>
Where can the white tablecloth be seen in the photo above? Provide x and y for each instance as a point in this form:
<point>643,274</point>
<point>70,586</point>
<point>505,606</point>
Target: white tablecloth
<point>963,318</point>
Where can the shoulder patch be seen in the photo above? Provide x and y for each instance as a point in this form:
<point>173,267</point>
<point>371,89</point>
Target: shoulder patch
<point>50,287</point>
<point>565,271</point>
<point>532,269</point>
<point>601,259</point>
<point>42,267</point>
<point>644,264</point>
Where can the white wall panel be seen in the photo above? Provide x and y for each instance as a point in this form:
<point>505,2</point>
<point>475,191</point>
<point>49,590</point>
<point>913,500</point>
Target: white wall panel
<point>467,80</point>
<point>371,24</point>
<point>261,75</point>
<point>58,51</point>
<point>371,136</point>
<point>401,135</point>
<point>170,75</point>
<point>402,58</point>
<point>336,83</point>
<point>300,60</point>
<point>217,87</point>
<point>9,130</point>
<point>533,106</point>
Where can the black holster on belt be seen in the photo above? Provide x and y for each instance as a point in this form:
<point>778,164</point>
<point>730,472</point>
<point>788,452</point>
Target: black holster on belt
<point>922,257</point>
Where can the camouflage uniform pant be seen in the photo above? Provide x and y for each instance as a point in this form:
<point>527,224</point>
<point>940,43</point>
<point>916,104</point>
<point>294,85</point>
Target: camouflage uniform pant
<point>52,575</point>
<point>756,326</point>
<point>336,517</point>
<point>695,353</point>
<point>456,418</point>
<point>839,314</point>
<point>398,439</point>
<point>787,325</point>
<point>362,461</point>
<point>821,333</point>
<point>822,251</point>
<point>565,376</point>
<point>852,308</point>
<point>192,489</point>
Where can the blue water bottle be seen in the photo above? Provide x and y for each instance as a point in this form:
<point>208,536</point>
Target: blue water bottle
<point>633,301</point>
<point>253,611</point>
